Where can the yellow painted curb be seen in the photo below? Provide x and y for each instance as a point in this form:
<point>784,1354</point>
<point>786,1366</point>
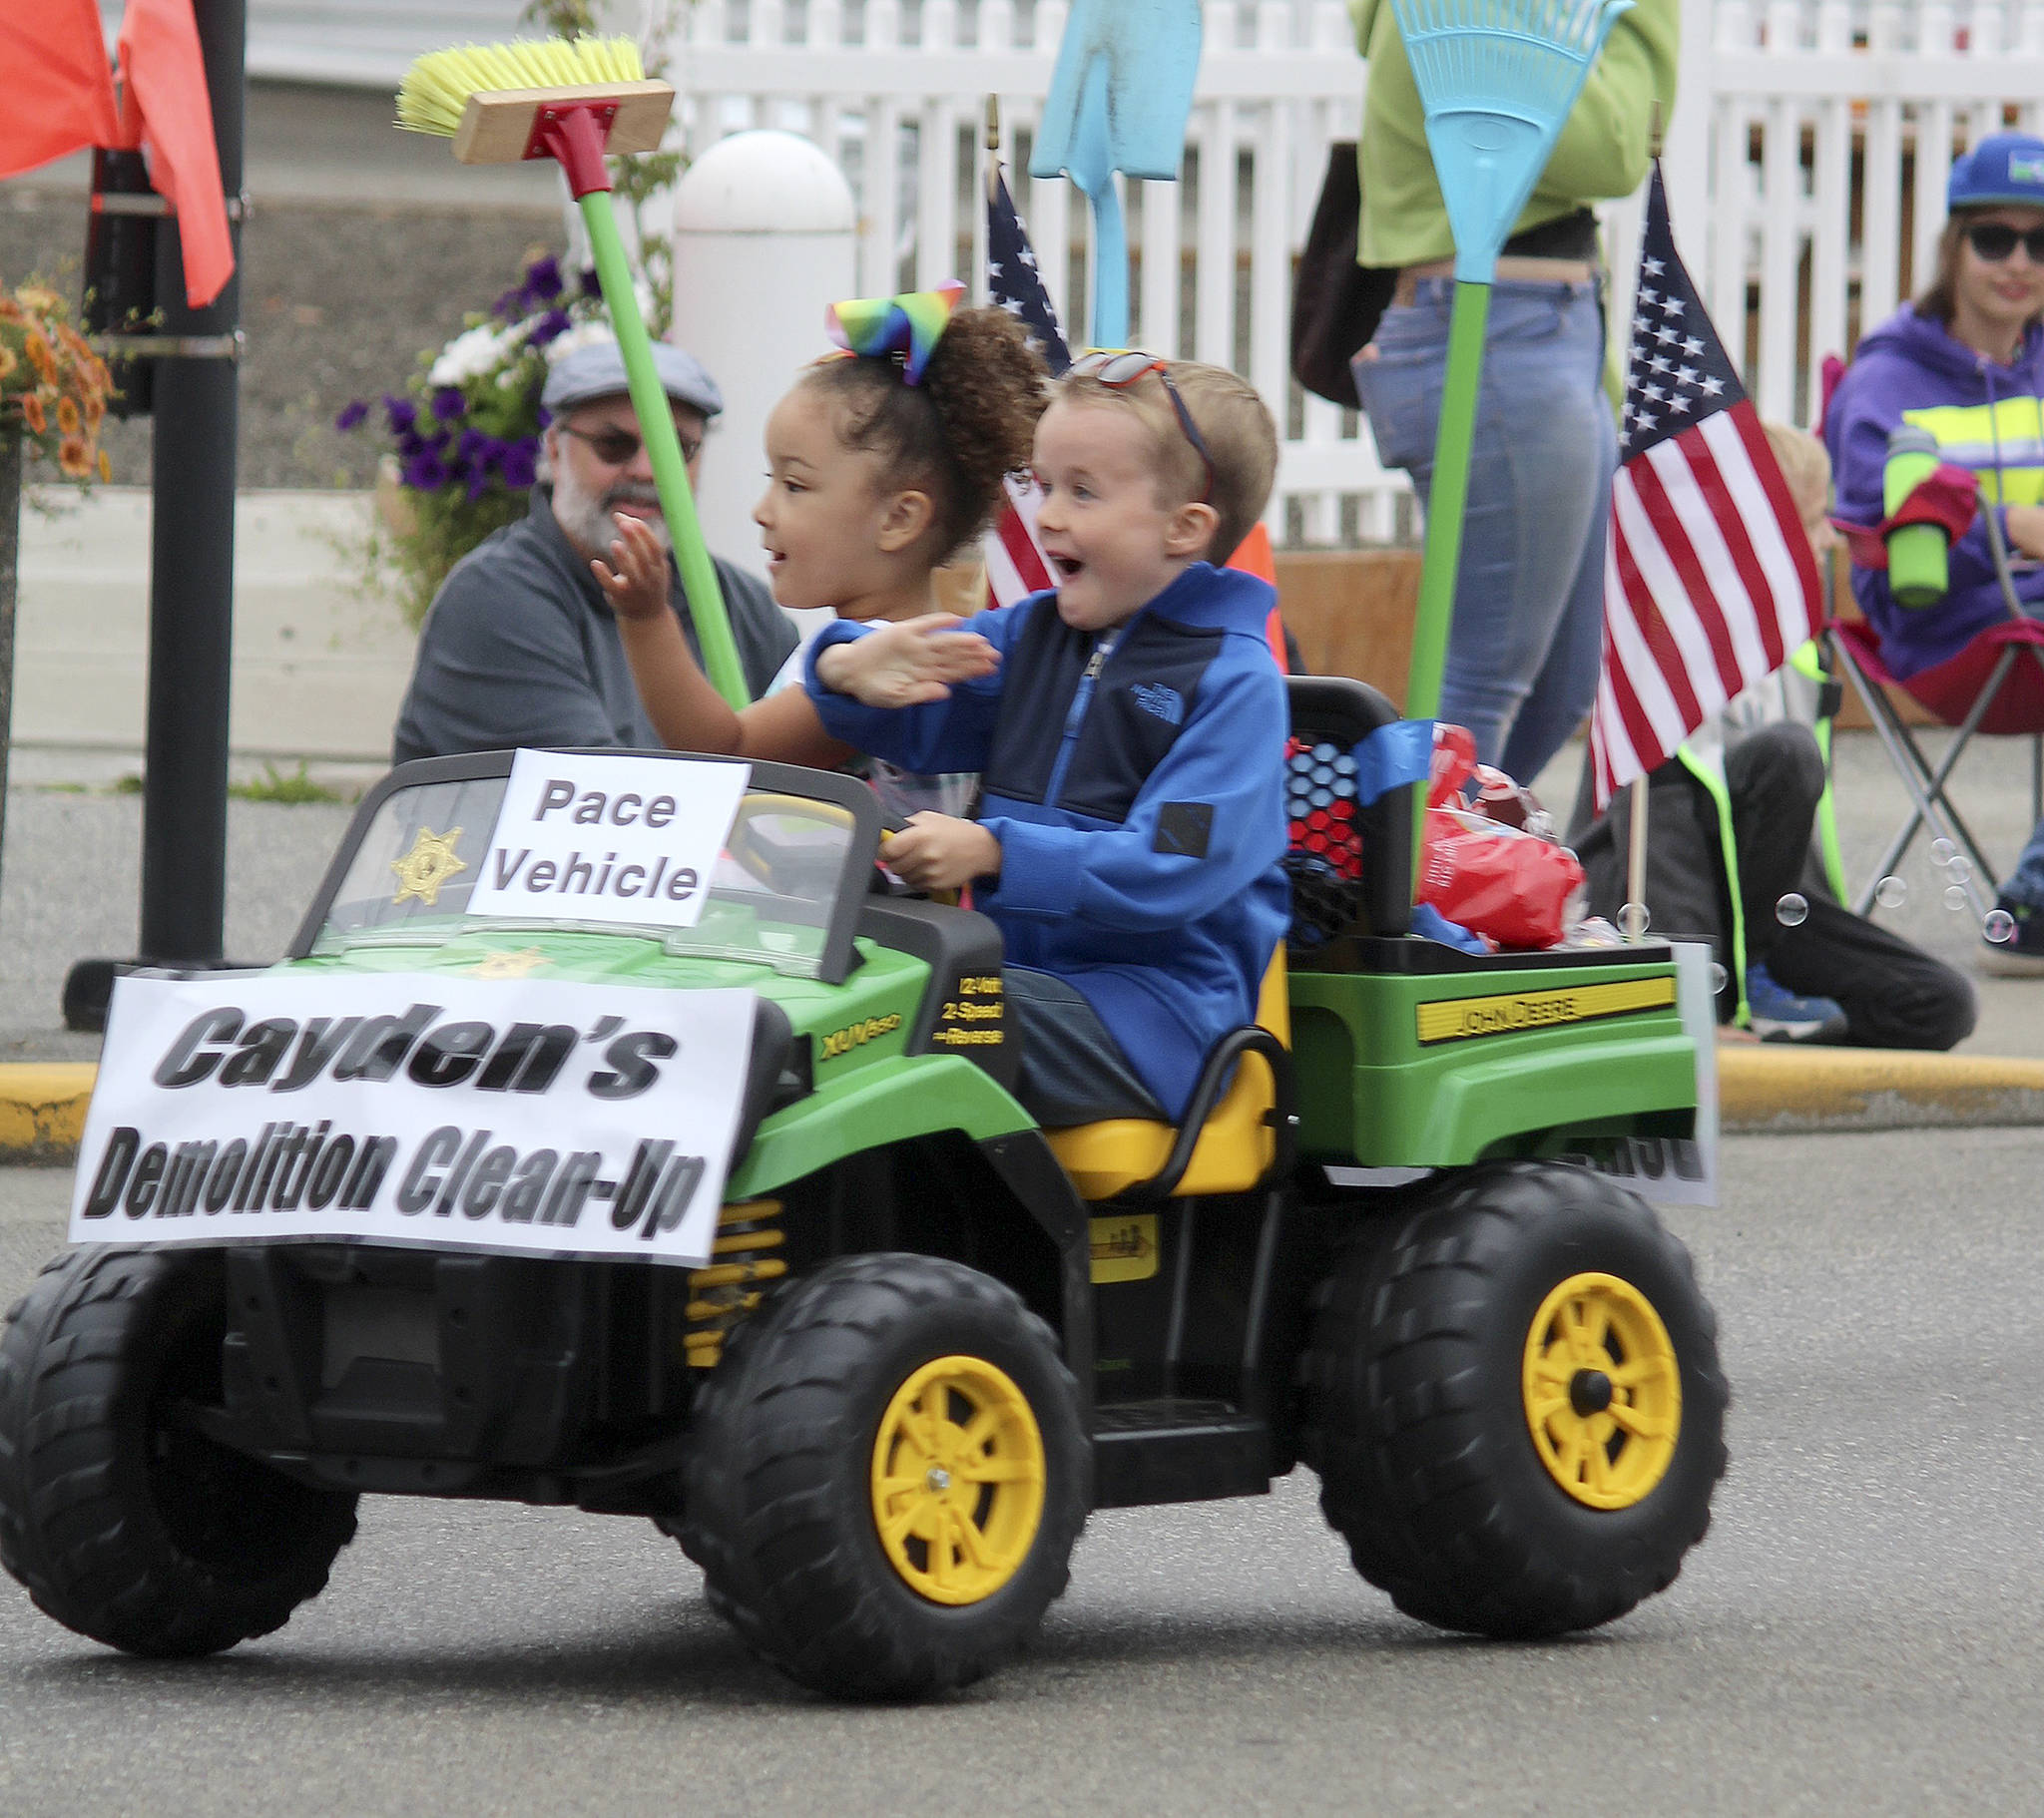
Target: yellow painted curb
<point>1785,1086</point>
<point>42,1108</point>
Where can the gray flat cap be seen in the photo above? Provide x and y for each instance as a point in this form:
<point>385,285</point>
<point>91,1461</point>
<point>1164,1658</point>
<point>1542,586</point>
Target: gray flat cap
<point>598,372</point>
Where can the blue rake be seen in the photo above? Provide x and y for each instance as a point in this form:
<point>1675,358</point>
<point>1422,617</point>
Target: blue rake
<point>1496,79</point>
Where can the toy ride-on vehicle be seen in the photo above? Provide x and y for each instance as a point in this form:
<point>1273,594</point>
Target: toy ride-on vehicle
<point>528,1178</point>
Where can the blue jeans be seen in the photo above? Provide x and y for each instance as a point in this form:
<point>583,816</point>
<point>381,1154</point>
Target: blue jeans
<point>1529,597</point>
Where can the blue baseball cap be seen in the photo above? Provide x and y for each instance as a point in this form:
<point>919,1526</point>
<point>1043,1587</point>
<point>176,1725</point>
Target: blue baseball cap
<point>598,372</point>
<point>2003,167</point>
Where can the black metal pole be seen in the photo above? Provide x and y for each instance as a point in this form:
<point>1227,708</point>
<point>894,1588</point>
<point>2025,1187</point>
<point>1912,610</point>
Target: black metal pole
<point>192,568</point>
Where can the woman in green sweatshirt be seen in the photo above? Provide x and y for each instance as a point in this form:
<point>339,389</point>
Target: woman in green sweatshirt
<point>1523,649</point>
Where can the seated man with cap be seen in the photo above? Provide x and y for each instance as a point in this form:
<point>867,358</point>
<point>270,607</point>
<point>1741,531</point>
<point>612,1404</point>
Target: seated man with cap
<point>519,647</point>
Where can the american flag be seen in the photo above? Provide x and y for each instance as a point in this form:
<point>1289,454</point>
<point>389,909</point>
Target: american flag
<point>1709,582</point>
<point>1015,562</point>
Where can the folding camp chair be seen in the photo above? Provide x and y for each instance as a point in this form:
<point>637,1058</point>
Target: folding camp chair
<point>1994,686</point>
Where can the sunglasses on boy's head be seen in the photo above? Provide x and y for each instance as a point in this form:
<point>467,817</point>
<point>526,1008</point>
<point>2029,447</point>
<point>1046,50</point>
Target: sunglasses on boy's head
<point>1120,367</point>
<point>1994,241</point>
<point>614,447</point>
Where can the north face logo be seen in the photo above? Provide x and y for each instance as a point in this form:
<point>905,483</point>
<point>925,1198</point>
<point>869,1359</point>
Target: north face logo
<point>1164,703</point>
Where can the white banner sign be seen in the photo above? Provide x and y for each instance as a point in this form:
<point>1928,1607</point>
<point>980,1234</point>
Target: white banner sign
<point>604,838</point>
<point>410,1108</point>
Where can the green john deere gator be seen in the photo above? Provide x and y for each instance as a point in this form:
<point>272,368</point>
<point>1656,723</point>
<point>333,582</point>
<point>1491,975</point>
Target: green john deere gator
<point>918,1339</point>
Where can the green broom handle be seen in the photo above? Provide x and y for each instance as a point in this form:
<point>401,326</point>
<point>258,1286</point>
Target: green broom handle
<point>1444,511</point>
<point>670,474</point>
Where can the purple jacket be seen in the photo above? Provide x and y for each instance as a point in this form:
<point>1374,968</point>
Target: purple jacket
<point>1985,416</point>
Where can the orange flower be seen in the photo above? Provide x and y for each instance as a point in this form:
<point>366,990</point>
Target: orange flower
<point>106,466</point>
<point>67,416</point>
<point>10,310</point>
<point>32,413</point>
<point>40,357</point>
<point>74,458</point>
<point>73,342</point>
<point>95,410</point>
<point>38,298</point>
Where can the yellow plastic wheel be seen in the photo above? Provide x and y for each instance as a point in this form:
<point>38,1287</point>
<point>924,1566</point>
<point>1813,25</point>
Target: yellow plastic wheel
<point>958,1479</point>
<point>1603,1391</point>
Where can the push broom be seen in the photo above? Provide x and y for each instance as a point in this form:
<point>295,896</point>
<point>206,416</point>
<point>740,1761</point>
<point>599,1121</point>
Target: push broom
<point>578,101</point>
<point>1496,81</point>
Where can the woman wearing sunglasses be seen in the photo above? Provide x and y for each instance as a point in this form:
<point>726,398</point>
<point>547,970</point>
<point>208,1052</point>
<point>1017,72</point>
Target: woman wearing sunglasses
<point>1965,361</point>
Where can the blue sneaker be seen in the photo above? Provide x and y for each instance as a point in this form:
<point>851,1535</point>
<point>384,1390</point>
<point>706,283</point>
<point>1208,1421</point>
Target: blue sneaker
<point>2021,956</point>
<point>1778,1015</point>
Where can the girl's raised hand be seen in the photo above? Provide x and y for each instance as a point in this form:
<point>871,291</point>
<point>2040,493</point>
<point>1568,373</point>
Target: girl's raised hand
<point>905,664</point>
<point>635,579</point>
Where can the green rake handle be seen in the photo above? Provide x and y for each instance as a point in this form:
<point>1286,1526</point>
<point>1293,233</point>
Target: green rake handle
<point>1450,493</point>
<point>670,473</point>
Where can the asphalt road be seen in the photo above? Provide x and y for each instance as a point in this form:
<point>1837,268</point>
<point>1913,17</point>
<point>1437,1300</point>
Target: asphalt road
<point>1862,1631</point>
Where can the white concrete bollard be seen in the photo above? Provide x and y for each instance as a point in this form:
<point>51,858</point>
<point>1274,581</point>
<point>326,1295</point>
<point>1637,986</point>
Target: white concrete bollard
<point>765,230</point>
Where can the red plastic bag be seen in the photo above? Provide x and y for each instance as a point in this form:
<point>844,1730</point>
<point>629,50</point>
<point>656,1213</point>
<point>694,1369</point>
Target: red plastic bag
<point>1455,762</point>
<point>1495,880</point>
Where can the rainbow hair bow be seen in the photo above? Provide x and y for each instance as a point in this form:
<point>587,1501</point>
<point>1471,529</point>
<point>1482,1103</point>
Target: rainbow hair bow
<point>878,328</point>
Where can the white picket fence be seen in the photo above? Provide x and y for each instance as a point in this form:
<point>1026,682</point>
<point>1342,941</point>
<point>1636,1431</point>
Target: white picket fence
<point>1791,163</point>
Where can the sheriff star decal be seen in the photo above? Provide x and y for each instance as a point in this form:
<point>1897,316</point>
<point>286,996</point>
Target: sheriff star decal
<point>428,865</point>
<point>519,965</point>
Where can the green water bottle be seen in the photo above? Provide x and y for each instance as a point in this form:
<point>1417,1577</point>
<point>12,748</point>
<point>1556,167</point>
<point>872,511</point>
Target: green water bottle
<point>1916,552</point>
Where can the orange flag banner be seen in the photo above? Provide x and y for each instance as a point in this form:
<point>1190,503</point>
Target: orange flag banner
<point>1256,557</point>
<point>60,97</point>
<point>163,79</point>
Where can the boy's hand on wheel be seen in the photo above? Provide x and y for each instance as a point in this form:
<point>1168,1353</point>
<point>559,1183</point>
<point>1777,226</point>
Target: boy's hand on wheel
<point>906,663</point>
<point>940,852</point>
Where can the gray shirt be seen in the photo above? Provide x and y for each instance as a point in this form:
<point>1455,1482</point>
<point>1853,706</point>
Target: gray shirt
<point>520,648</point>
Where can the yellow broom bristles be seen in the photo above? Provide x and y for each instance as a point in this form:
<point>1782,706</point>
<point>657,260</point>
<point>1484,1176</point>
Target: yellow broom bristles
<point>436,88</point>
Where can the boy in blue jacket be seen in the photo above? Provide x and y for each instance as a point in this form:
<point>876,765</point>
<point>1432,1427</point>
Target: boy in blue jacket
<point>1131,742</point>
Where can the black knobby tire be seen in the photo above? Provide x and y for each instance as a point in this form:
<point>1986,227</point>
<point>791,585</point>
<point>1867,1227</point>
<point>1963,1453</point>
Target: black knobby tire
<point>1419,1426</point>
<point>123,1522</point>
<point>778,1498</point>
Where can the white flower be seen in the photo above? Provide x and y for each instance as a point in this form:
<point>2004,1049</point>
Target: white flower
<point>571,341</point>
<point>471,354</point>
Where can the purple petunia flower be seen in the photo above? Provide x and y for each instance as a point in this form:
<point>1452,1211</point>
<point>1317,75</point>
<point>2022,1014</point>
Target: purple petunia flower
<point>409,443</point>
<point>351,416</point>
<point>553,323</point>
<point>449,402</point>
<point>543,279</point>
<point>478,484</point>
<point>472,446</point>
<point>546,417</point>
<point>425,472</point>
<point>517,463</point>
<point>401,412</point>
<point>511,304</point>
<point>590,286</point>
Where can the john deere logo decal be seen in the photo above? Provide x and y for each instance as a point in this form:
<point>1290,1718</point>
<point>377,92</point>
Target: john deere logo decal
<point>1125,1248</point>
<point>1466,1019</point>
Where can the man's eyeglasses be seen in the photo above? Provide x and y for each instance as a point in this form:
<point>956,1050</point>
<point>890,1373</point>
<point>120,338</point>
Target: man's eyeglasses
<point>1994,241</point>
<point>614,447</point>
<point>1120,367</point>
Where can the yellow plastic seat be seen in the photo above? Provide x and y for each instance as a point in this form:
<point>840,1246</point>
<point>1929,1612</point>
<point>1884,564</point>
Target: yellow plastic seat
<point>1234,1148</point>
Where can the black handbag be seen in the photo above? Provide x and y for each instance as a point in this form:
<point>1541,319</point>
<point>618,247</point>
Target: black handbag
<point>1336,303</point>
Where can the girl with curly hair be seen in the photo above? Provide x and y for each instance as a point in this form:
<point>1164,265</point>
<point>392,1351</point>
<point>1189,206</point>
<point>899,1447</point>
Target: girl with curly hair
<point>882,463</point>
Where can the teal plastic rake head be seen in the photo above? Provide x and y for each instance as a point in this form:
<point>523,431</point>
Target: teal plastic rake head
<point>1497,79</point>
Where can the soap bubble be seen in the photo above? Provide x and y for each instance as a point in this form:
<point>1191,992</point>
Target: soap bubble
<point>1792,910</point>
<point>1955,898</point>
<point>1962,873</point>
<point>1632,920</point>
<point>1944,851</point>
<point>1998,926</point>
<point>1720,978</point>
<point>1891,893</point>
